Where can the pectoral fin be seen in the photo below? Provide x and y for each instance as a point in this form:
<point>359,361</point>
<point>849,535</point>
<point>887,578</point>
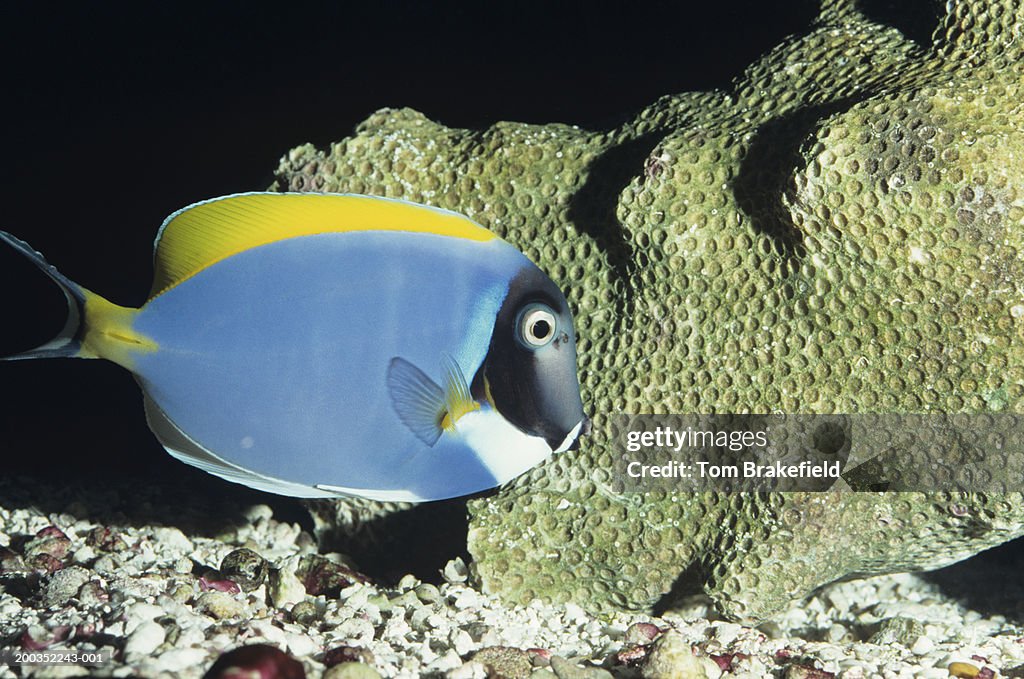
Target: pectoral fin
<point>417,400</point>
<point>424,407</point>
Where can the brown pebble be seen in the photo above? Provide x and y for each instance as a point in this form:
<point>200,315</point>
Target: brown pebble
<point>633,655</point>
<point>47,550</point>
<point>323,576</point>
<point>246,568</point>
<point>344,654</point>
<point>259,660</point>
<point>105,539</point>
<point>807,672</point>
<point>642,633</point>
<point>504,662</point>
<point>11,561</point>
<point>964,670</point>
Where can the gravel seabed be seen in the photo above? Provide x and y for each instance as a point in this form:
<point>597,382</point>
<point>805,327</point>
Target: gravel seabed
<point>140,591</point>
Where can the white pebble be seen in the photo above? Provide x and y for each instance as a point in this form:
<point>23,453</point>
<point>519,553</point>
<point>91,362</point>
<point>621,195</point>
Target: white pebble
<point>438,622</point>
<point>461,641</point>
<point>853,672</point>
<point>84,554</point>
<point>931,673</point>
<point>455,571</point>
<point>286,589</point>
<point>356,595</point>
<point>447,661</point>
<point>575,614</point>
<point>923,646</point>
<point>257,512</point>
<point>178,660</point>
<point>407,582</point>
<point>470,670</point>
<point>9,606</point>
<point>467,598</point>
<point>357,631</point>
<point>418,620</point>
<point>300,645</point>
<point>727,632</point>
<point>269,632</point>
<point>138,613</point>
<point>146,638</point>
<point>837,633</point>
<point>395,629</point>
<point>172,538</point>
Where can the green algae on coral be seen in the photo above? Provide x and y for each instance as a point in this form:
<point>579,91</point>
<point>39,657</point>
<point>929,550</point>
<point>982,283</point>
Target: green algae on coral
<point>839,231</point>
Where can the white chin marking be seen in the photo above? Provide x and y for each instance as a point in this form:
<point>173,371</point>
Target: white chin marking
<point>570,438</point>
<point>506,451</point>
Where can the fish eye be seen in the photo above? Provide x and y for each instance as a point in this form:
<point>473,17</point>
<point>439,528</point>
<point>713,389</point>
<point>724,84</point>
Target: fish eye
<point>536,326</point>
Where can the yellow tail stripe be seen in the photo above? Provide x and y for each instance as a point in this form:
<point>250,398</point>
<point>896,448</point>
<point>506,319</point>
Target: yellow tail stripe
<point>108,332</point>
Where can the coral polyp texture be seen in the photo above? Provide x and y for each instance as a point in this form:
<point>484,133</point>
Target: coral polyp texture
<point>840,231</point>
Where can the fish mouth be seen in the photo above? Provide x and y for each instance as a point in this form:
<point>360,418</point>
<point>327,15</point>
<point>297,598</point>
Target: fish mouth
<point>572,439</point>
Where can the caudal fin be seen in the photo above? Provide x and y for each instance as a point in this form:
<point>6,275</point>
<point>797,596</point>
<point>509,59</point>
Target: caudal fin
<point>68,342</point>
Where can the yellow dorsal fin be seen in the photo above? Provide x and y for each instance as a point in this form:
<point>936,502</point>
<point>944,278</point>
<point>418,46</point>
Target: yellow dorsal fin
<point>205,233</point>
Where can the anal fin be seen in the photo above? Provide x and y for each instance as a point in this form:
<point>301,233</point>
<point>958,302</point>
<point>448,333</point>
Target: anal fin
<point>182,447</point>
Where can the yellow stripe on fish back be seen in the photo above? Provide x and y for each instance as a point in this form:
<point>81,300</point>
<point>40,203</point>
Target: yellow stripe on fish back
<point>203,234</point>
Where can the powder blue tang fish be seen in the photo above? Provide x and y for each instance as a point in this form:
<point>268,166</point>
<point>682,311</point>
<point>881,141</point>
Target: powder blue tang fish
<point>321,345</point>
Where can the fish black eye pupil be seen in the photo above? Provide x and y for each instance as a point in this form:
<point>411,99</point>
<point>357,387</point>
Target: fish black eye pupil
<point>536,325</point>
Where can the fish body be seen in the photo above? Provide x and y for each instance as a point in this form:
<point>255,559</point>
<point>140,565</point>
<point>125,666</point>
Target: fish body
<point>319,345</point>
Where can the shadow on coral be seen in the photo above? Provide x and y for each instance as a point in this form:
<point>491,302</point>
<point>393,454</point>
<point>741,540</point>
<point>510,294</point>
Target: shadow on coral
<point>592,208</point>
<point>685,589</point>
<point>766,176</point>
